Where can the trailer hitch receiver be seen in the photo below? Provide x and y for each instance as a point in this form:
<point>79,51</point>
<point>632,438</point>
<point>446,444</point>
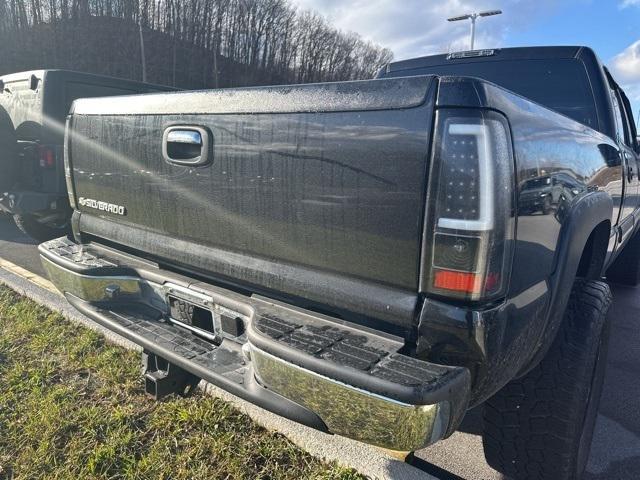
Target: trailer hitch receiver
<point>162,378</point>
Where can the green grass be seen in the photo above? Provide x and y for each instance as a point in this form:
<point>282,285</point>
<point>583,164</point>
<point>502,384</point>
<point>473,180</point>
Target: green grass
<point>72,406</point>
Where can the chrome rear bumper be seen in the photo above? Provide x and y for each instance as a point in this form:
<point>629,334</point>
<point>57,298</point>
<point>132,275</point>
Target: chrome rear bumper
<point>352,412</point>
<point>322,372</point>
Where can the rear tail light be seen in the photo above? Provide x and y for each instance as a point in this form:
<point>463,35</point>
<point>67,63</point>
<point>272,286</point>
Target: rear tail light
<point>470,222</point>
<point>47,156</point>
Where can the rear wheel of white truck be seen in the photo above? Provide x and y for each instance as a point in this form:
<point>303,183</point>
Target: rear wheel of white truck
<point>41,231</point>
<point>540,426</point>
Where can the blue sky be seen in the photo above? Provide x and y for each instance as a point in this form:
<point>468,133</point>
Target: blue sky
<point>608,26</point>
<point>418,27</point>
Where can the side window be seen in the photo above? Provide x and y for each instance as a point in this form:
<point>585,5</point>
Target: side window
<point>630,122</point>
<point>618,116</point>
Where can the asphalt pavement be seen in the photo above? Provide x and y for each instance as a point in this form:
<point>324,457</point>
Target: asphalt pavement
<point>615,452</point>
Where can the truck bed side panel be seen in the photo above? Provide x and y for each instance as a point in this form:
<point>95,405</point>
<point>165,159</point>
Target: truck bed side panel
<point>556,157</point>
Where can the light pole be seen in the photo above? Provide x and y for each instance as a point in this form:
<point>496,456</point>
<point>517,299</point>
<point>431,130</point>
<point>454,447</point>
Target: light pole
<point>473,17</point>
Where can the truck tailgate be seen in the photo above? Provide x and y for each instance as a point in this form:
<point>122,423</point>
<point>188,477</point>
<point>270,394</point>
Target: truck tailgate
<point>315,192</point>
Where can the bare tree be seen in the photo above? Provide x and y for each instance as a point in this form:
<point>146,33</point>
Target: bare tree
<point>188,43</point>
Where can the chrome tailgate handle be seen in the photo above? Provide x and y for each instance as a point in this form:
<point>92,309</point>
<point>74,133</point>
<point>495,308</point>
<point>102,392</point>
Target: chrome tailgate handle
<point>187,145</point>
<point>192,137</point>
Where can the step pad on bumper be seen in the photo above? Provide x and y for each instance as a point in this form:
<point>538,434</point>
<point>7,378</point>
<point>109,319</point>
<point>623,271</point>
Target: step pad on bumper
<point>348,349</point>
<point>144,323</point>
<point>78,257</point>
<point>357,357</point>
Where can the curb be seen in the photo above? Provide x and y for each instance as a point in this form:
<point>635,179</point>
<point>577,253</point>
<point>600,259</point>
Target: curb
<point>369,461</point>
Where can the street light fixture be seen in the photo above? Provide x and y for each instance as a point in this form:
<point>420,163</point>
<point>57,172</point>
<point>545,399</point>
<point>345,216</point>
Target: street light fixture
<point>473,17</point>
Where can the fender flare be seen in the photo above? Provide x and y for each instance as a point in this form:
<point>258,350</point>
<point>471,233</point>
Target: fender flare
<point>585,215</point>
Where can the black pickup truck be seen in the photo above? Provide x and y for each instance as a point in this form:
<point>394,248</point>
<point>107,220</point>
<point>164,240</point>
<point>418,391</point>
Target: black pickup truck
<point>370,258</point>
<point>33,109</point>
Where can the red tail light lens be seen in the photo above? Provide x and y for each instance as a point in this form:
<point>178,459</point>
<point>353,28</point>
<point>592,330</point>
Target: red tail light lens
<point>457,281</point>
<point>47,156</point>
<point>470,219</point>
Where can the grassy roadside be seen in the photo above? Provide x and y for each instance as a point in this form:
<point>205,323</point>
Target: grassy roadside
<point>72,407</point>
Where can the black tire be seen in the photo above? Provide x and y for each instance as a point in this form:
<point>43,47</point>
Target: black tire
<point>8,153</point>
<point>540,426</point>
<point>40,232</point>
<point>625,270</point>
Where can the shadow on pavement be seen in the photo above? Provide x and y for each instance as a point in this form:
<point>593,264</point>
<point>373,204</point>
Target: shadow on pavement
<point>432,469</point>
<point>10,233</point>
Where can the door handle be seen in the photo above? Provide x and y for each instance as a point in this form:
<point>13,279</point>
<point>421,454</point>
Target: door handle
<point>187,145</point>
<point>629,172</point>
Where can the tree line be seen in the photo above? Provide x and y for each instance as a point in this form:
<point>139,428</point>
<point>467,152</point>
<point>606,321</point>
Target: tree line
<point>187,43</point>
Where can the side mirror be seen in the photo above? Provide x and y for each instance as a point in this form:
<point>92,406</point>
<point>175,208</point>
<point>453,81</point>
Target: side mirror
<point>1,86</point>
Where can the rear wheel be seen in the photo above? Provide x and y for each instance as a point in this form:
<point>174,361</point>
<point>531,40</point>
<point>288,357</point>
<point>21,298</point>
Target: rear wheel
<point>626,268</point>
<point>40,231</point>
<point>540,426</point>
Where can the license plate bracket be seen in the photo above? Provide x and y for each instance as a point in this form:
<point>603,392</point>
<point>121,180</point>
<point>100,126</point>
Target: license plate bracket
<point>196,318</point>
<point>198,313</point>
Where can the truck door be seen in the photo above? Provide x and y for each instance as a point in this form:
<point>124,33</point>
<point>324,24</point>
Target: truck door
<point>626,143</point>
<point>632,144</point>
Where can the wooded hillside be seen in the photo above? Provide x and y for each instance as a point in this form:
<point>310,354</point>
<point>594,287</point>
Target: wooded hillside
<point>188,43</point>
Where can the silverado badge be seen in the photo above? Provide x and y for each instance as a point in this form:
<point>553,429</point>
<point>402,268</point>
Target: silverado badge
<point>103,206</point>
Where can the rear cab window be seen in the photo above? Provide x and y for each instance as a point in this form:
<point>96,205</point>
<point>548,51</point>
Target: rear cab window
<point>571,92</point>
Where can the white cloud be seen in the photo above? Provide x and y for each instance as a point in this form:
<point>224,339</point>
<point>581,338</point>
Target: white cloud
<point>625,68</point>
<point>626,65</point>
<point>418,27</point>
<point>629,3</point>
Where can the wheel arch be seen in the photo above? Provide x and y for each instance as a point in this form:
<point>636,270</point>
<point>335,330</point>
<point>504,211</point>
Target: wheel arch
<point>581,249</point>
<point>594,254</point>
